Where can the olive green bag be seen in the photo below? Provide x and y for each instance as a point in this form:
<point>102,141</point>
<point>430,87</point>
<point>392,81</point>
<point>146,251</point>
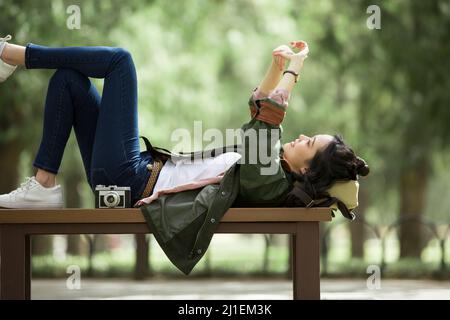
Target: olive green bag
<point>342,196</point>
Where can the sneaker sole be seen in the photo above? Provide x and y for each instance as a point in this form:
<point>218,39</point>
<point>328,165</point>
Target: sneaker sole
<point>8,72</point>
<point>35,206</point>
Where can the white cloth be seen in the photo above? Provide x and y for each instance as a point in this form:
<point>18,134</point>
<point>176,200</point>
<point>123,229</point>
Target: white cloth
<point>186,171</point>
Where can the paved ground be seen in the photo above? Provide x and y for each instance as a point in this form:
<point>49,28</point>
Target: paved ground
<point>235,289</point>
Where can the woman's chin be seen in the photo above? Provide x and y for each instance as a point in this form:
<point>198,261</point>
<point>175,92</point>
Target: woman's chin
<point>286,146</point>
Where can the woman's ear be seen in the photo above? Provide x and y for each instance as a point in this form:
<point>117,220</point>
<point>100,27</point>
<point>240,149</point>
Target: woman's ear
<point>303,170</point>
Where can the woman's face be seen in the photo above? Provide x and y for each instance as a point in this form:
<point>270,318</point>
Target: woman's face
<point>299,152</point>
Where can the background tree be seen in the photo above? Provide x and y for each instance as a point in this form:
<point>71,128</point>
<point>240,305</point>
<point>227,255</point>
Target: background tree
<point>384,90</point>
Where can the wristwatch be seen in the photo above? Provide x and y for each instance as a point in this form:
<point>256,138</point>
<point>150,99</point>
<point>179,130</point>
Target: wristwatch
<point>293,73</point>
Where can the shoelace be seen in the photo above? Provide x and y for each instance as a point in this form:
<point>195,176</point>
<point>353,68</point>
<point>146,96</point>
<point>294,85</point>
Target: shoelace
<point>7,38</point>
<point>25,185</point>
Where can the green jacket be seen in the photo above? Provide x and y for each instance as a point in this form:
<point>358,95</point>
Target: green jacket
<point>184,223</point>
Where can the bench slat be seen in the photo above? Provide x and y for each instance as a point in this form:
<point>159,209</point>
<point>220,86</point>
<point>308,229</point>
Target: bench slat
<point>133,215</point>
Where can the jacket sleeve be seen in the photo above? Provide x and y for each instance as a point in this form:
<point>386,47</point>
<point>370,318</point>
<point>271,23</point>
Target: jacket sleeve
<point>262,178</point>
<point>269,108</point>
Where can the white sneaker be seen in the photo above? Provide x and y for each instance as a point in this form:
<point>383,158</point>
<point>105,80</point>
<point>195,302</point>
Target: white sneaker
<point>31,194</point>
<point>5,69</point>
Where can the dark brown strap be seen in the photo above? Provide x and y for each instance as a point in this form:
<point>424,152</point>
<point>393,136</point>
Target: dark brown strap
<point>344,210</point>
<point>148,145</point>
<point>154,152</point>
<point>310,202</point>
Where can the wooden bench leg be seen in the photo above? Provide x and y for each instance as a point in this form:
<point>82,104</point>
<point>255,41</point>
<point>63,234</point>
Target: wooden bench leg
<point>27,267</point>
<point>306,261</point>
<point>15,279</point>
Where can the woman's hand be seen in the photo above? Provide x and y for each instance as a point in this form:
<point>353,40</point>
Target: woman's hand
<point>287,54</point>
<point>298,45</point>
<point>279,55</point>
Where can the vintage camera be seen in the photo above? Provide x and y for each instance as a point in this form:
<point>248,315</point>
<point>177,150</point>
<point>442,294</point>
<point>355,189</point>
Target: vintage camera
<point>112,197</point>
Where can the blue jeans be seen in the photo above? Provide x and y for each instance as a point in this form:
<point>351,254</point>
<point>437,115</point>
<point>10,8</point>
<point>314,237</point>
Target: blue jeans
<point>106,127</point>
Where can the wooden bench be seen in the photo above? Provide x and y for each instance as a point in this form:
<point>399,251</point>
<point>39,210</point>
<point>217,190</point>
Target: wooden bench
<point>18,225</point>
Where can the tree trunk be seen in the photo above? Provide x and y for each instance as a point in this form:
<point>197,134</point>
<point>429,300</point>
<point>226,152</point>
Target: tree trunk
<point>357,238</point>
<point>290,257</point>
<point>412,203</point>
<point>357,230</point>
<point>141,267</point>
<point>102,243</point>
<point>72,180</point>
<point>41,245</point>
<point>75,246</point>
<point>9,162</point>
<point>268,240</point>
<point>208,267</point>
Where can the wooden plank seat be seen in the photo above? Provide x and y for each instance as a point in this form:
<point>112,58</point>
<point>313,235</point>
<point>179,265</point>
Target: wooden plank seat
<point>18,225</point>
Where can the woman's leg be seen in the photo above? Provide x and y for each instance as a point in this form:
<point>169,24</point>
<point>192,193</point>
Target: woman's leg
<point>71,100</point>
<point>13,54</point>
<point>117,133</point>
<point>116,156</point>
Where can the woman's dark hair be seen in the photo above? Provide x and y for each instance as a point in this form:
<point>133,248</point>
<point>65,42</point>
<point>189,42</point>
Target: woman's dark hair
<point>336,162</point>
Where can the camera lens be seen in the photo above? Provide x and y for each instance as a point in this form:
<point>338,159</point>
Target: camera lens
<point>112,199</point>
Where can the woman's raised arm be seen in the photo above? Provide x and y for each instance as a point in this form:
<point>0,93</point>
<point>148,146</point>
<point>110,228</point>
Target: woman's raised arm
<point>288,81</point>
<point>268,104</point>
<point>275,71</point>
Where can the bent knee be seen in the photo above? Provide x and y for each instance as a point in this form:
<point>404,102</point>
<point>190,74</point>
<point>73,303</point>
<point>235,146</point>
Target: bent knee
<point>65,75</point>
<point>122,54</point>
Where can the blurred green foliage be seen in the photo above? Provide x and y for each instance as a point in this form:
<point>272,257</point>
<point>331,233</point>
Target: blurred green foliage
<point>228,257</point>
<point>386,91</point>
